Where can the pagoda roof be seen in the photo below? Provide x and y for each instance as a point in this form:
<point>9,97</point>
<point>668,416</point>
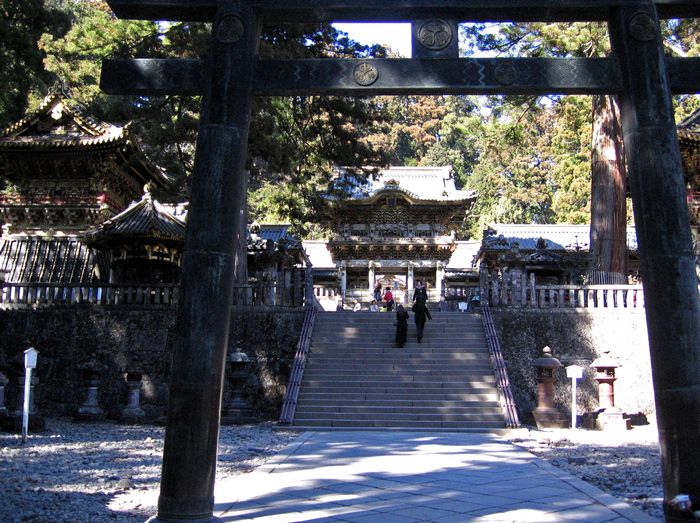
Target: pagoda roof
<point>689,128</point>
<point>144,219</point>
<point>61,125</point>
<point>418,184</point>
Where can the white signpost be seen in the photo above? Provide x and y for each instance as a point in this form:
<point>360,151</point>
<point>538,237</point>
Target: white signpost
<point>30,356</point>
<point>574,372</point>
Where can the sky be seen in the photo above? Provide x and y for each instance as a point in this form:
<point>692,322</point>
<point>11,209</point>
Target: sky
<point>396,36</point>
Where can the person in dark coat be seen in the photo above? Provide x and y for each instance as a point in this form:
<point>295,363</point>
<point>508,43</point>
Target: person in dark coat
<point>377,294</point>
<point>420,293</point>
<point>420,313</point>
<point>401,325</point>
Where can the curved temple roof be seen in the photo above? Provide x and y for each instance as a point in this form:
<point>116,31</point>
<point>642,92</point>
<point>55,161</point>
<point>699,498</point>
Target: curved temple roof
<point>145,219</point>
<point>419,184</point>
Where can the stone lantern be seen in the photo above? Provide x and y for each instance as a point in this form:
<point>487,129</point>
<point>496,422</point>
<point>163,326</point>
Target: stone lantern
<point>546,415</point>
<point>609,416</point>
<point>3,409</point>
<point>133,413</point>
<point>235,409</point>
<point>90,410</point>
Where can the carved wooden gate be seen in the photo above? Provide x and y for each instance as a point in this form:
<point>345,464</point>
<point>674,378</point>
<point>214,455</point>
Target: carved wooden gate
<point>637,71</point>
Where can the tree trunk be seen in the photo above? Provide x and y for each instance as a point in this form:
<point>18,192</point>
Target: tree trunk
<point>608,245</point>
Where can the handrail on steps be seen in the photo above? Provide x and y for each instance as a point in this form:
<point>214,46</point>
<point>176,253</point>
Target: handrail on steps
<point>289,406</point>
<point>499,366</point>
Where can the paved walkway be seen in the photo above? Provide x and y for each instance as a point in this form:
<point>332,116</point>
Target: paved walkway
<point>388,477</point>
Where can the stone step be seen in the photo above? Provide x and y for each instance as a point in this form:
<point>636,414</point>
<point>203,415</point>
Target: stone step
<point>408,391</point>
<point>321,401</point>
<point>410,349</point>
<point>486,395</point>
<point>447,409</point>
<point>389,357</point>
<point>357,378</point>
<point>316,371</point>
<point>402,424</point>
<point>475,381</point>
<point>350,316</point>
<point>321,376</point>
<point>400,416</point>
<point>386,364</point>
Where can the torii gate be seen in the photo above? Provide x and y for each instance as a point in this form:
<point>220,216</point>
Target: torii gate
<point>637,71</point>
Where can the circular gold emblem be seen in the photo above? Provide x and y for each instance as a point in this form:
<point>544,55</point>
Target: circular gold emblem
<point>230,29</point>
<point>505,73</point>
<point>435,34</point>
<point>642,27</point>
<point>365,73</point>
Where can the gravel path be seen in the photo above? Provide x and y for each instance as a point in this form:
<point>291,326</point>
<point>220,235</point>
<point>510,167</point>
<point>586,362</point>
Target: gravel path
<point>102,472</point>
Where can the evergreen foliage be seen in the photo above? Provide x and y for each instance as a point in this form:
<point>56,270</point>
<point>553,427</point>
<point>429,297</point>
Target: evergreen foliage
<point>528,157</point>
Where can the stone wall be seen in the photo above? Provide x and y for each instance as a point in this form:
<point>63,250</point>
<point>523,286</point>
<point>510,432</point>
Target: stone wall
<point>577,337</point>
<point>115,341</point>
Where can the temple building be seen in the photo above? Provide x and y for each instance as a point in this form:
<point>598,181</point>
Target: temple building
<point>394,229</point>
<point>75,211</point>
<point>79,209</point>
<point>516,256</point>
<point>689,141</point>
<point>67,173</point>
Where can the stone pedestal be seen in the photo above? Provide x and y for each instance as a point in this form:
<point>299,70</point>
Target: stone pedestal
<point>3,409</point>
<point>133,413</point>
<point>236,410</point>
<point>612,418</point>
<point>549,418</point>
<point>90,410</point>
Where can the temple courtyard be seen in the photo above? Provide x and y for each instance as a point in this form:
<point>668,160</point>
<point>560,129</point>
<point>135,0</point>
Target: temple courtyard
<point>103,472</point>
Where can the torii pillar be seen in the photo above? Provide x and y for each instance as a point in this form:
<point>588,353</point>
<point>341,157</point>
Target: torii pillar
<point>665,244</point>
<point>214,229</point>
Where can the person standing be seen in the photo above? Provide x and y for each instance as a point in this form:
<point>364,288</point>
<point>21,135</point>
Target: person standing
<point>377,294</point>
<point>420,293</point>
<point>420,313</point>
<point>389,299</point>
<point>401,325</point>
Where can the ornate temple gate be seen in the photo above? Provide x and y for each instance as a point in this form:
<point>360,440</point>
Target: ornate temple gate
<point>637,71</point>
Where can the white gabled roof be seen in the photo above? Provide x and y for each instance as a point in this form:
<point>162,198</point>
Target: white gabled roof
<point>557,236</point>
<point>421,183</point>
<point>464,255</point>
<point>318,253</point>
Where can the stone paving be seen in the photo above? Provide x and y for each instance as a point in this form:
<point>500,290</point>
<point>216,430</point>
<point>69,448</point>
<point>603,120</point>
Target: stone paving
<point>413,476</point>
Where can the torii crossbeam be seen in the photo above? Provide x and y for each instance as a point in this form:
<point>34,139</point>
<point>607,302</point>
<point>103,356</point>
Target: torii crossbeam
<point>637,71</point>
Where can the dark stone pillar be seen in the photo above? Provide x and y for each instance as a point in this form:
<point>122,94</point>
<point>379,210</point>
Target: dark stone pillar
<point>213,234</point>
<point>665,245</point>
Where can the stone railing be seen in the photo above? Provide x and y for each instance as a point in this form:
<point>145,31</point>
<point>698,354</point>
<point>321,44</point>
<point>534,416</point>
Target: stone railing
<point>496,294</point>
<point>35,295</point>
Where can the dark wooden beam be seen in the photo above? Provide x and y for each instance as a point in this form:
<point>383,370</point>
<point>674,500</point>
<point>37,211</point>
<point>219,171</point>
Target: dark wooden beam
<point>399,10</point>
<point>444,76</point>
<point>153,77</point>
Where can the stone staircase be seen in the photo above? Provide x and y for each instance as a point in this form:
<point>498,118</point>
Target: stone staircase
<point>356,377</point>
